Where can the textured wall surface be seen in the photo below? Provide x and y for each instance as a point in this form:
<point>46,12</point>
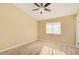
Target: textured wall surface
<point>16,27</point>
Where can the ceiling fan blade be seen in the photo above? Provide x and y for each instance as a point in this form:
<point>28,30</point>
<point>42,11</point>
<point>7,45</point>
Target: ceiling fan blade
<point>41,12</point>
<point>35,9</point>
<point>41,4</point>
<point>47,4</point>
<point>37,5</point>
<point>47,9</point>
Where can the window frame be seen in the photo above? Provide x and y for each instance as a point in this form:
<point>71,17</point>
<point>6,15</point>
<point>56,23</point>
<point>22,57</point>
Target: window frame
<point>52,30</point>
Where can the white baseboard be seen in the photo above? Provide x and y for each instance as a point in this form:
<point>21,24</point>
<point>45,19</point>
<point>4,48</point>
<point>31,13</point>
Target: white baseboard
<point>17,46</point>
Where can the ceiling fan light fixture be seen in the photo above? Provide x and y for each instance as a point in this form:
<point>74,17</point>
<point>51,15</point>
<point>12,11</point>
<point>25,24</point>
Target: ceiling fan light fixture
<point>42,7</point>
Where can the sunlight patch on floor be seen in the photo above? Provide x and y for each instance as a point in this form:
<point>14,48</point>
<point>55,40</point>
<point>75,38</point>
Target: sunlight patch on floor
<point>58,52</point>
<point>46,51</point>
<point>50,51</point>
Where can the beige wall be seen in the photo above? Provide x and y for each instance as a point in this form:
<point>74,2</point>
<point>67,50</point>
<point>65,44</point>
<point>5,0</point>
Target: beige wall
<point>16,27</point>
<point>68,34</point>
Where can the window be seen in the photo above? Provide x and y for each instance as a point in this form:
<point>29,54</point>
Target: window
<point>53,28</point>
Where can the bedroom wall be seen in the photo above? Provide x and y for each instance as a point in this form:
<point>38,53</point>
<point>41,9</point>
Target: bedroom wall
<point>16,27</point>
<point>68,33</point>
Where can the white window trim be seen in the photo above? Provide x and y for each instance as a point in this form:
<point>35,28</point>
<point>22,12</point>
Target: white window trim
<point>51,30</point>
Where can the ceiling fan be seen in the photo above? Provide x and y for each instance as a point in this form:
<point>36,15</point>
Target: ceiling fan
<point>42,7</point>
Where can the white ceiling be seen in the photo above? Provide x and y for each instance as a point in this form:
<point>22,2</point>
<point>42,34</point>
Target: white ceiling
<point>58,10</point>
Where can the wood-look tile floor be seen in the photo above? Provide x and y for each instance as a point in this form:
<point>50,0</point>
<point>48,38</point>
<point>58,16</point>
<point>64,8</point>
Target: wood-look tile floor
<point>35,48</point>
